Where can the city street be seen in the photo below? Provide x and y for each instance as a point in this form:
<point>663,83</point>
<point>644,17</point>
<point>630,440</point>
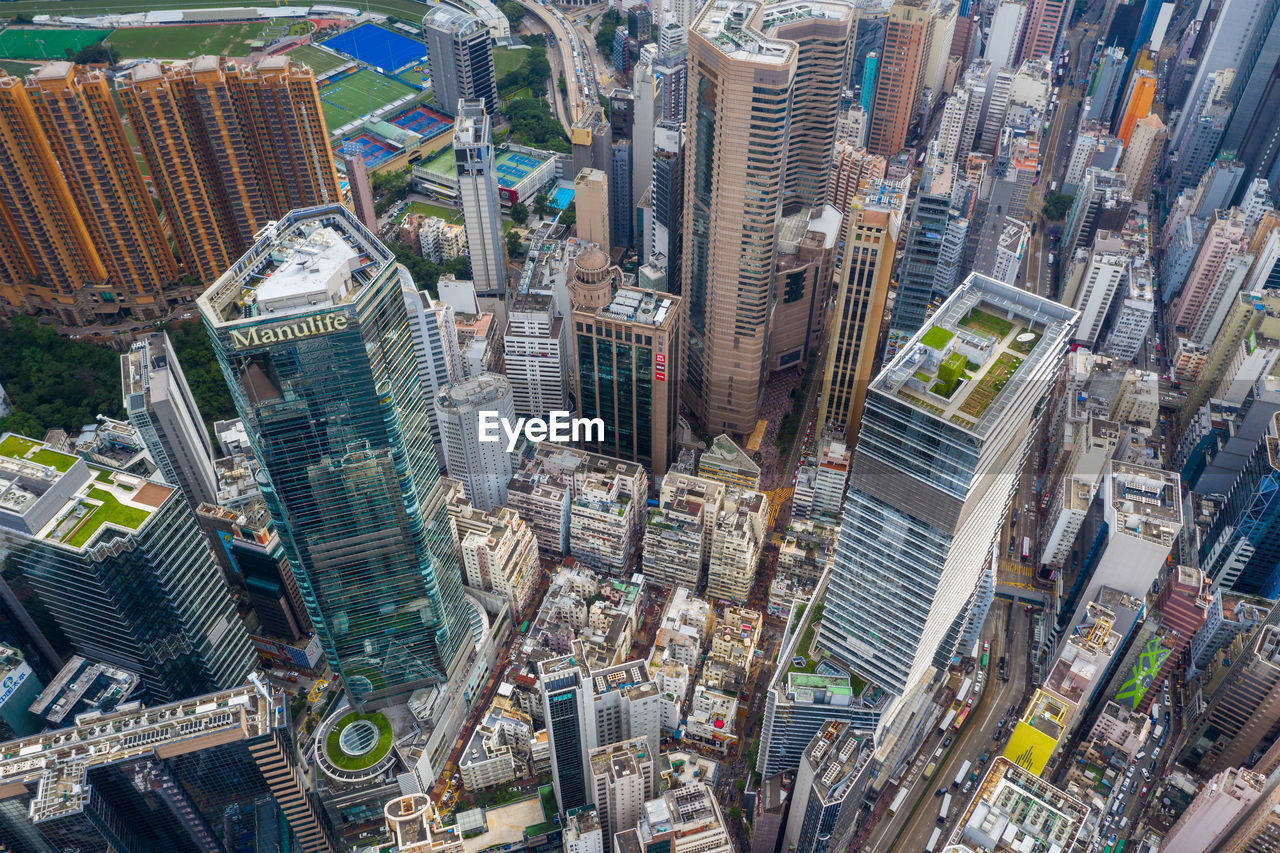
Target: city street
<point>910,829</point>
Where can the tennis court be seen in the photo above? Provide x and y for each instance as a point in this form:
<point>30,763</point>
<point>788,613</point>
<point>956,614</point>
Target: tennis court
<point>513,167</point>
<point>23,43</point>
<point>422,121</point>
<point>350,96</point>
<point>317,59</point>
<point>373,150</point>
<point>373,45</point>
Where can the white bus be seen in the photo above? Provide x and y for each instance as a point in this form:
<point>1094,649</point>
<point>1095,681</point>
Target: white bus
<point>897,802</point>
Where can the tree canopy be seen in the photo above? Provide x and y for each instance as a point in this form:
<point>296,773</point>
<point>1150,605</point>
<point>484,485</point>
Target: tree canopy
<point>54,382</point>
<point>532,124</point>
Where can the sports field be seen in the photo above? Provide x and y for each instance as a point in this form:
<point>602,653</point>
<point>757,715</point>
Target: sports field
<point>361,93</point>
<point>182,41</point>
<point>26,43</point>
<point>379,47</point>
<point>316,59</point>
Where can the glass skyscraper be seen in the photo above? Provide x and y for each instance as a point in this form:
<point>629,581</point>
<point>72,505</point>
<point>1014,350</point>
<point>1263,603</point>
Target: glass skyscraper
<point>114,567</point>
<point>944,431</point>
<point>312,334</point>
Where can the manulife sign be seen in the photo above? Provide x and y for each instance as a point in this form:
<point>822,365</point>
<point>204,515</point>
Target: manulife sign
<point>308,327</point>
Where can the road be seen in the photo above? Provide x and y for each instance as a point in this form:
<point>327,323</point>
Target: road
<point>909,830</point>
<point>1056,153</point>
<point>581,87</point>
<point>1133,795</point>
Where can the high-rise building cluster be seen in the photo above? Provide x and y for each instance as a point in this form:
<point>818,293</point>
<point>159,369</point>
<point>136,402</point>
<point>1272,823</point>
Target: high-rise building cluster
<point>225,150</point>
<point>861,433</point>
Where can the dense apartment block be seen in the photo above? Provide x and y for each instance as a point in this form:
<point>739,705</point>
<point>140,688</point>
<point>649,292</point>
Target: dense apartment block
<point>678,532</point>
<point>79,237</point>
<point>229,149</point>
<point>584,503</point>
<point>736,544</point>
<point>499,552</point>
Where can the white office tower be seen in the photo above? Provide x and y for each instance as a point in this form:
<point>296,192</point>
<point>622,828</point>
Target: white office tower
<point>683,820</point>
<point>435,345</point>
<point>535,349</point>
<point>1102,280</point>
<point>162,410</point>
<point>583,833</point>
<point>1006,31</point>
<point>623,778</point>
<point>1009,250</point>
<point>478,192</point>
<point>826,799</point>
<point>944,433</point>
<point>473,443</point>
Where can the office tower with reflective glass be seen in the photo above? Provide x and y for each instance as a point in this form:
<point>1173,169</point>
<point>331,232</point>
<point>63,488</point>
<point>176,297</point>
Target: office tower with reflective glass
<point>114,567</point>
<point>944,430</point>
<point>311,332</point>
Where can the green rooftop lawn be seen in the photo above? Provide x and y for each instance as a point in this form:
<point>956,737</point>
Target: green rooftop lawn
<point>547,795</point>
<point>508,59</point>
<point>54,459</point>
<point>102,475</point>
<point>370,758</point>
<point>111,511</point>
<point>937,337</point>
<point>1028,346</point>
<point>806,641</point>
<point>16,447</point>
<point>990,324</point>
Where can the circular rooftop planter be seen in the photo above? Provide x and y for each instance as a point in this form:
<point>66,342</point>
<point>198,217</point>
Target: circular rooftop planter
<point>354,747</point>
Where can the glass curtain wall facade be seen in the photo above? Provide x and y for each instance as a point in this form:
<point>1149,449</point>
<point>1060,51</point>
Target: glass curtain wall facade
<point>935,466</point>
<point>339,425</point>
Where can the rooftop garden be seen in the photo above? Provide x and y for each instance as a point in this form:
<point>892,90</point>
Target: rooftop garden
<point>937,337</point>
<point>987,324</point>
<point>804,651</point>
<point>108,510</point>
<point>357,752</point>
<point>989,386</point>
<point>1025,346</point>
<point>17,447</point>
<point>53,459</point>
<point>950,372</point>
